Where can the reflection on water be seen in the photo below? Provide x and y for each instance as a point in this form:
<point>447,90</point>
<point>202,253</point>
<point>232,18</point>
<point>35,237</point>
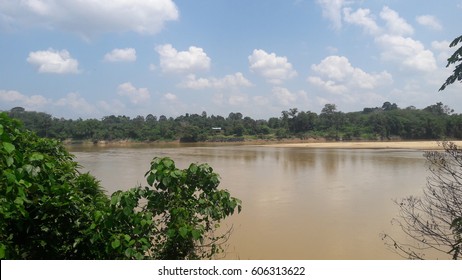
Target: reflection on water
<point>298,203</point>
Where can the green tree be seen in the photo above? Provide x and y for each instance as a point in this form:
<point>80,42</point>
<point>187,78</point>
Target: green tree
<point>331,120</point>
<point>45,203</point>
<point>49,210</point>
<point>188,206</point>
<point>455,59</point>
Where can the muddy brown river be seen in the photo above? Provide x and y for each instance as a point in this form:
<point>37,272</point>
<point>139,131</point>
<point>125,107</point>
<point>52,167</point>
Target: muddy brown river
<point>298,203</point>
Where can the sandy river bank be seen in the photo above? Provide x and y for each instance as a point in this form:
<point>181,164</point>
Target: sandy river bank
<point>415,145</point>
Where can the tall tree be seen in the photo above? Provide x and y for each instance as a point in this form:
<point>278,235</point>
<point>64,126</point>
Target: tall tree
<point>455,59</point>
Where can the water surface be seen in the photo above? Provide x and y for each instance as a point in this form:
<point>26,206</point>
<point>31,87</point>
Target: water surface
<point>298,203</point>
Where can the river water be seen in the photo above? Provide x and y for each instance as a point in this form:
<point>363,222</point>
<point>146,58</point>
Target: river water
<point>298,203</point>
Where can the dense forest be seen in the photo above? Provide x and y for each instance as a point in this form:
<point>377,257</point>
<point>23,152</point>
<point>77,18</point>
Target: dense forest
<point>387,122</point>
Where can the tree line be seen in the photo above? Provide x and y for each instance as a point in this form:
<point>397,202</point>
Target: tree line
<point>387,122</point>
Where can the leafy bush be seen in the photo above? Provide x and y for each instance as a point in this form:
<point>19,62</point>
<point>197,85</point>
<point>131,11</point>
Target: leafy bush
<point>49,210</point>
<point>45,204</point>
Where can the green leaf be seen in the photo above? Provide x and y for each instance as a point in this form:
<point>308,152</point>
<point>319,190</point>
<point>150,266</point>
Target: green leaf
<point>9,148</point>
<point>168,162</point>
<point>115,198</point>
<point>196,234</point>
<point>115,244</point>
<point>2,249</point>
<point>166,181</point>
<point>36,157</point>
<point>127,237</point>
<point>98,215</point>
<point>9,161</point>
<point>19,201</point>
<point>151,178</point>
<point>1,129</point>
<point>193,168</point>
<point>183,232</point>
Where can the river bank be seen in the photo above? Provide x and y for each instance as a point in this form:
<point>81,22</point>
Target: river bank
<point>414,145</point>
<point>290,143</point>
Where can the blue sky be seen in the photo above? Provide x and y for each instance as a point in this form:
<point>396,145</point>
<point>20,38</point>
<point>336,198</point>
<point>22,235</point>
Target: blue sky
<point>93,58</point>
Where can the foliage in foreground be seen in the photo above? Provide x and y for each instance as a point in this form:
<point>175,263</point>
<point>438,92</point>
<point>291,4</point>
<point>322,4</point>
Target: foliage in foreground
<point>49,210</point>
<point>434,221</point>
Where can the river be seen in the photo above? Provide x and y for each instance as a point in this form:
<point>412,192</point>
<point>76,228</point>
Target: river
<point>298,203</point>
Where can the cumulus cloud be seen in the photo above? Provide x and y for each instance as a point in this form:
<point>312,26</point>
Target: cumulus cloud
<point>76,102</point>
<point>234,80</point>
<point>71,105</point>
<point>396,25</point>
<point>408,52</point>
<point>363,18</point>
<point>444,50</point>
<point>112,107</point>
<point>89,17</point>
<point>429,21</point>
<point>135,95</point>
<point>53,61</point>
<point>393,39</point>
<point>238,99</point>
<point>284,96</point>
<point>191,60</point>
<point>275,69</point>
<point>335,74</point>
<point>116,55</point>
<point>331,9</point>
<point>170,97</point>
<point>15,98</point>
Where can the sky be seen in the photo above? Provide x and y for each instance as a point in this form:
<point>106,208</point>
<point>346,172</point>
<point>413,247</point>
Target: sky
<point>95,58</point>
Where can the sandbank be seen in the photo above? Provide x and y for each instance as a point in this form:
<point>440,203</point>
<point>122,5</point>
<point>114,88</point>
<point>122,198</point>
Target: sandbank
<point>412,145</point>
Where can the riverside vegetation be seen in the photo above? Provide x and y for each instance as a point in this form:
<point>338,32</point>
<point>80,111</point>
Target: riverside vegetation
<point>386,122</point>
<point>49,210</point>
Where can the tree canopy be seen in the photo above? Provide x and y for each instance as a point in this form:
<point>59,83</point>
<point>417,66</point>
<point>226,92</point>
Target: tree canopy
<point>388,121</point>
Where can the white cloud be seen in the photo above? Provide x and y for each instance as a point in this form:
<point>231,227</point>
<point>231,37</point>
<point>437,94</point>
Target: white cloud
<point>444,50</point>
<point>89,17</point>
<point>235,80</point>
<point>396,25</point>
<point>327,85</point>
<point>238,99</point>
<point>284,96</point>
<point>172,60</point>
<point>408,52</point>
<point>127,54</point>
<point>396,46</point>
<point>363,18</point>
<point>337,75</point>
<point>112,107</point>
<point>170,97</point>
<point>261,100</point>
<point>275,69</point>
<point>331,9</point>
<point>53,61</point>
<point>75,101</point>
<point>430,22</point>
<point>18,99</point>
<point>136,95</point>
